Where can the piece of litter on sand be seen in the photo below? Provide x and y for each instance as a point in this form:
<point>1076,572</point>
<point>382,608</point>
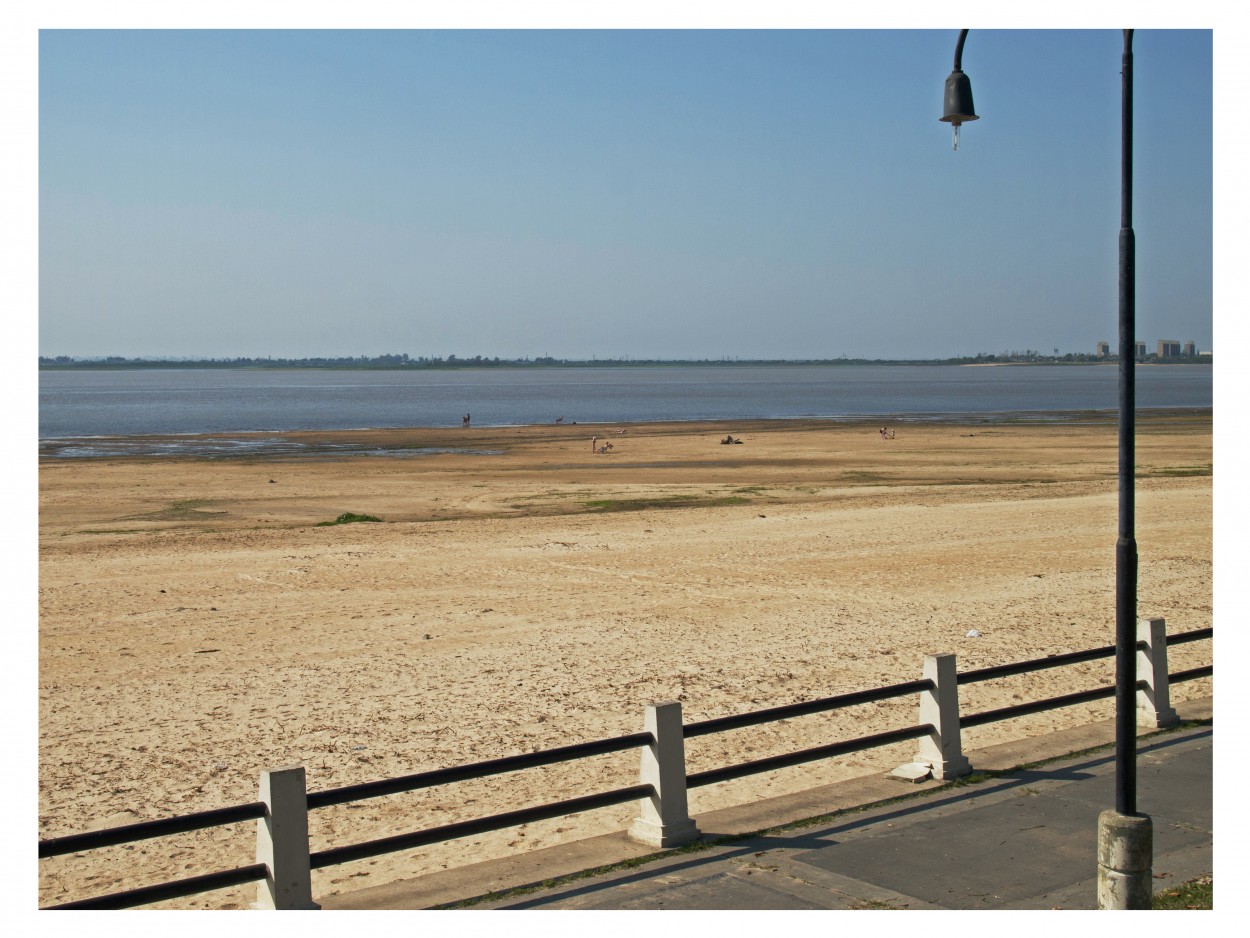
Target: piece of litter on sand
<point>973,633</point>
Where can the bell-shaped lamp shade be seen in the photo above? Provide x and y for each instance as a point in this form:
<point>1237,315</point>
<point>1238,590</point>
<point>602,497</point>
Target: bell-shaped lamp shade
<point>957,103</point>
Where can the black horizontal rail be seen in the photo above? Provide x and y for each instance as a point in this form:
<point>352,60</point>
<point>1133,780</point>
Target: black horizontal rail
<point>1038,706</point>
<point>373,848</point>
<point>720,724</point>
<point>393,786</point>
<point>1192,674</point>
<point>1036,664</point>
<point>172,890</point>
<point>712,776</point>
<point>110,837</point>
<point>1196,635</point>
<point>1055,661</point>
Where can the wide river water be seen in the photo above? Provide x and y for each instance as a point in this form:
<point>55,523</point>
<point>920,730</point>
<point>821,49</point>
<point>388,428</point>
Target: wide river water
<point>77,408</point>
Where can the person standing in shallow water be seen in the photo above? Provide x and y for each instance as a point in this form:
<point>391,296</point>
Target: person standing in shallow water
<point>464,422</point>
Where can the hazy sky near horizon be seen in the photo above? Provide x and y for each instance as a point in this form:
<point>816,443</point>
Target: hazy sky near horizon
<point>614,193</point>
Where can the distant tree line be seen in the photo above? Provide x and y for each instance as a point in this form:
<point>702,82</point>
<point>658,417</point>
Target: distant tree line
<point>403,361</point>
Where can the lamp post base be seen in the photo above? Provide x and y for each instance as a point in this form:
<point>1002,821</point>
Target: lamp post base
<point>1125,849</point>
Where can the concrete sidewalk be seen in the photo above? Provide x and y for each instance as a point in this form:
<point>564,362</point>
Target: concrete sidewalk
<point>1024,839</point>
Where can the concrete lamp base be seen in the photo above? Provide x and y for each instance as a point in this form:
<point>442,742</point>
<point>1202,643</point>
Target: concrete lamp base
<point>1125,852</point>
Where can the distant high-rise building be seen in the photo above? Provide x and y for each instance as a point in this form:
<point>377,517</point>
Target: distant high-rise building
<point>1169,348</point>
<point>1102,350</point>
<point>1139,350</point>
<point>1188,350</point>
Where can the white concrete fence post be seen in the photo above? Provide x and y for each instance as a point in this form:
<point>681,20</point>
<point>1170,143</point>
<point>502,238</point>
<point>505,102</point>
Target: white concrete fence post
<point>1153,702</point>
<point>665,819</point>
<point>941,749</point>
<point>282,842</point>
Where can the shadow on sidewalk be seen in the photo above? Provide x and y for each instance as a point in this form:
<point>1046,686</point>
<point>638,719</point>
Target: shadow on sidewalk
<point>824,832</point>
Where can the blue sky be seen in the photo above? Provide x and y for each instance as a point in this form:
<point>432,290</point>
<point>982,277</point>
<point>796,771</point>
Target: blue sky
<point>613,193</point>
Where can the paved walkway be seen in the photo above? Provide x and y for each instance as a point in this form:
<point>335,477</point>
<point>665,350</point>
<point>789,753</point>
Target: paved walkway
<point>1023,840</point>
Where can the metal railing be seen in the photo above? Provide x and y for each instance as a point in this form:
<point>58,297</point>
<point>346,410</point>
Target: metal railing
<point>394,786</point>
<point>191,886</point>
<point>1067,700</point>
<point>263,812</point>
<point>805,708</point>
<point>420,838</point>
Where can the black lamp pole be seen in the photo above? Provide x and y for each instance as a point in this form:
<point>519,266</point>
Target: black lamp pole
<point>958,109</point>
<point>1126,542</point>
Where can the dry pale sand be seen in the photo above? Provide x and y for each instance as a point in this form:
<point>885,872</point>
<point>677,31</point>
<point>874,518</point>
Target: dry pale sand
<point>196,626</point>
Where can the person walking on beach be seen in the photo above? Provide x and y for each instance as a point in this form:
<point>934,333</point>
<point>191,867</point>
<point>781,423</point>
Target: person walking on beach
<point>593,441</point>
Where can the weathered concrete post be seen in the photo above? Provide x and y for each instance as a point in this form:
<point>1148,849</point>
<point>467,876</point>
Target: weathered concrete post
<point>282,842</point>
<point>1125,848</point>
<point>665,819</point>
<point>1154,701</point>
<point>942,748</point>
<point>1126,841</point>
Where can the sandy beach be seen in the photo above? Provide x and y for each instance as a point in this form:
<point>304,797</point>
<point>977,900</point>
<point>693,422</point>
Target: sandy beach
<point>198,626</point>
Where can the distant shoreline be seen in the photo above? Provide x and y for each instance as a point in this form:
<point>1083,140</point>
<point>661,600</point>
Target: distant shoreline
<point>523,365</point>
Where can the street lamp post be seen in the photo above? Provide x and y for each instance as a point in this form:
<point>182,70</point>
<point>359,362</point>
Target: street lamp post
<point>1125,839</point>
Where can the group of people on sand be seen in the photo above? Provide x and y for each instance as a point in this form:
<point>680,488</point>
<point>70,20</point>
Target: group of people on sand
<point>729,439</point>
<point>887,434</point>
